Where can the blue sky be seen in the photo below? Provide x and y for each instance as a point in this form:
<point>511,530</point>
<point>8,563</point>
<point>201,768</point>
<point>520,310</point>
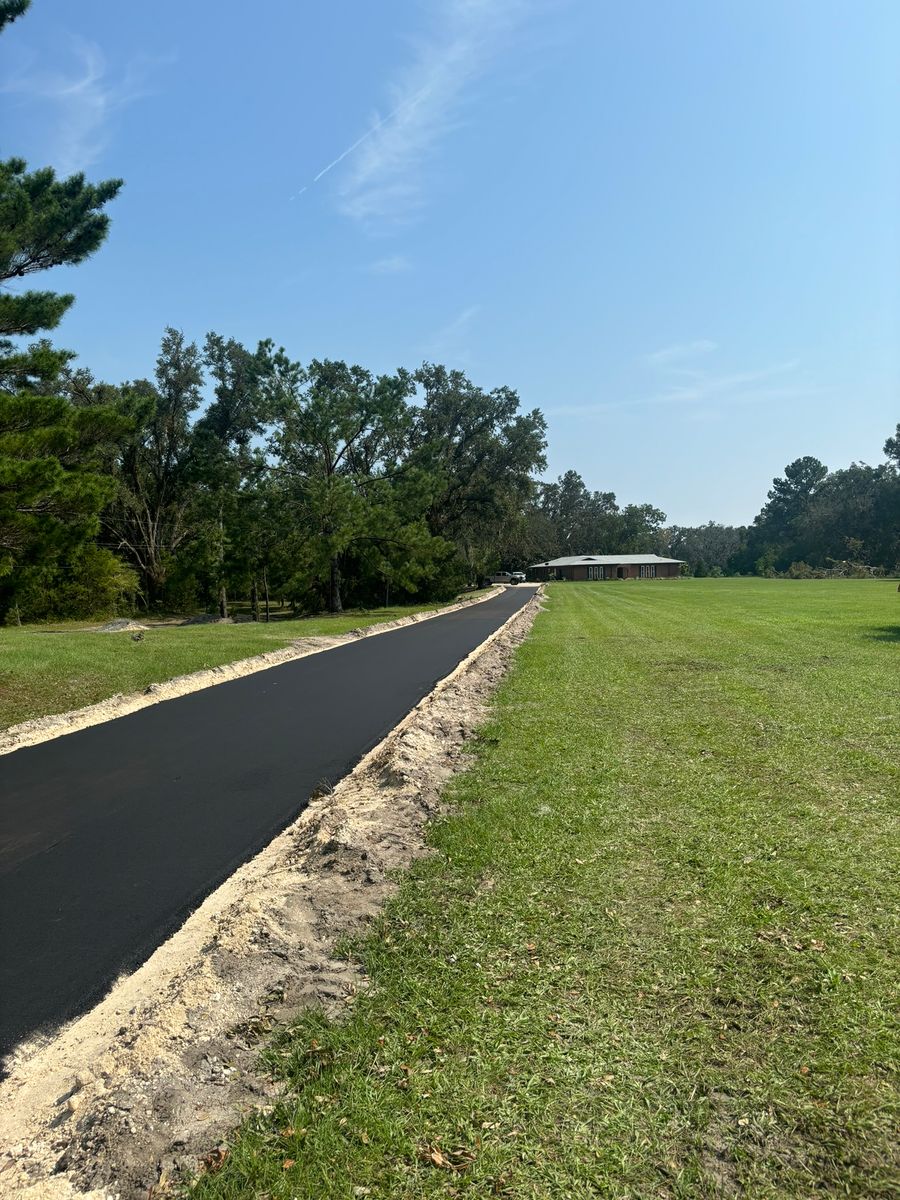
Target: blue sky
<point>675,228</point>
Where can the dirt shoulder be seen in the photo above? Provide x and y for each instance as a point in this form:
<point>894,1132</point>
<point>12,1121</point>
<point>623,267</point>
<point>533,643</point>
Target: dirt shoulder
<point>42,729</point>
<point>136,1092</point>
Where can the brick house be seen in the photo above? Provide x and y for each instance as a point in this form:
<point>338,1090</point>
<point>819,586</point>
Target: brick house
<point>607,566</point>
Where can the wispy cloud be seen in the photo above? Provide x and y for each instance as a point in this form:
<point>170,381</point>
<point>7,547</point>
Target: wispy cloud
<point>703,392</point>
<point>385,180</point>
<point>703,386</point>
<point>681,352</point>
<point>394,264</point>
<point>449,344</point>
<point>83,98</point>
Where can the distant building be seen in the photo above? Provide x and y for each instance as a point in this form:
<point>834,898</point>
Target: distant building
<point>607,566</point>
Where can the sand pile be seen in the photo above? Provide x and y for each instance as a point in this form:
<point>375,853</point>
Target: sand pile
<point>121,625</point>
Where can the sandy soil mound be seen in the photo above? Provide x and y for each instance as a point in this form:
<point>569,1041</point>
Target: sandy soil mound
<point>129,1098</point>
<point>121,625</point>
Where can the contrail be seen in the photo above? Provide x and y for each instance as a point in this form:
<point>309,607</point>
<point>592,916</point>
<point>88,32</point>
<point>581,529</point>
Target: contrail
<point>349,150</point>
<point>373,129</point>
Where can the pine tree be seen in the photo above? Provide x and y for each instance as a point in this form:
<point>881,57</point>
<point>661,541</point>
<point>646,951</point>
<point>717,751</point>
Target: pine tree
<point>51,491</point>
<point>11,9</point>
<point>45,222</point>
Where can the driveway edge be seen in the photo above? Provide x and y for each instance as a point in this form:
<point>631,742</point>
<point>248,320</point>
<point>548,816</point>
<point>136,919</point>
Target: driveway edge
<point>130,1098</point>
<point>43,729</point>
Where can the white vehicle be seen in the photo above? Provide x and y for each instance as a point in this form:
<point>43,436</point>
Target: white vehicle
<point>500,577</point>
<point>518,576</point>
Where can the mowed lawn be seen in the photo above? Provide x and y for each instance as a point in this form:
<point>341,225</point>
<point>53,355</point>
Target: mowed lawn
<point>55,668</point>
<point>654,952</point>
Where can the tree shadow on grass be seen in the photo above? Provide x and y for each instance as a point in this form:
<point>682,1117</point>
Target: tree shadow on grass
<point>885,633</point>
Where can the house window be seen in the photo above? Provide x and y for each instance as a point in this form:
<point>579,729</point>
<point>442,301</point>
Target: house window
<point>648,570</point>
<point>595,573</point>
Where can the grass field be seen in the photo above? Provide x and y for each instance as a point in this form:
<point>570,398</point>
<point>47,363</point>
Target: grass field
<point>654,953</point>
<point>53,668</point>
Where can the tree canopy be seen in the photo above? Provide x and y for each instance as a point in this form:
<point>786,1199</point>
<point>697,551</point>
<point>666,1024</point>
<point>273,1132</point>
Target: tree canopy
<point>45,222</point>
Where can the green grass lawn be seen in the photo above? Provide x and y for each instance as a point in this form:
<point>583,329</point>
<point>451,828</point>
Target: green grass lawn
<point>654,953</point>
<point>53,668</point>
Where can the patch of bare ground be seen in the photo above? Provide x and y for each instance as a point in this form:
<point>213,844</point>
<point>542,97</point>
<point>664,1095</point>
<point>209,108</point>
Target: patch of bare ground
<point>126,1099</point>
<point>42,729</point>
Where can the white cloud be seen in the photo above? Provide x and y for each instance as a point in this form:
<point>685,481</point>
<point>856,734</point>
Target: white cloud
<point>386,180</point>
<point>83,100</point>
<point>394,264</point>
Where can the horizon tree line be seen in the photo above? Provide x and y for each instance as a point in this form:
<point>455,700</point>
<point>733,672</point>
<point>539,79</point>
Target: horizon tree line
<point>320,482</point>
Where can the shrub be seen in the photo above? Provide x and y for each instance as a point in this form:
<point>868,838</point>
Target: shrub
<point>88,582</point>
<point>800,570</point>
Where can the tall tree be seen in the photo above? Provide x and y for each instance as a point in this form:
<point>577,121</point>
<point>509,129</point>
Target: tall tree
<point>854,515</point>
<point>50,490</point>
<point>789,496</point>
<point>640,528</point>
<point>335,427</point>
<point>566,504</point>
<point>482,454</point>
<point>223,455</point>
<point>45,222</point>
<point>774,538</point>
<point>152,517</point>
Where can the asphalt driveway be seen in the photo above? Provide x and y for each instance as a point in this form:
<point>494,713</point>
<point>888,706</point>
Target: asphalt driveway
<point>111,836</point>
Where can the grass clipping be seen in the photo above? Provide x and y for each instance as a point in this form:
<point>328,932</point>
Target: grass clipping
<point>136,1093</point>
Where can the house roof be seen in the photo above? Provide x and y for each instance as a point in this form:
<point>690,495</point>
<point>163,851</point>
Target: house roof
<point>605,560</point>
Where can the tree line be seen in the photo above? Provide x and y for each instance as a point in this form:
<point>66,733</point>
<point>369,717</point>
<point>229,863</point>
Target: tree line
<point>320,482</point>
<point>814,522</point>
<point>240,471</point>
<point>243,473</point>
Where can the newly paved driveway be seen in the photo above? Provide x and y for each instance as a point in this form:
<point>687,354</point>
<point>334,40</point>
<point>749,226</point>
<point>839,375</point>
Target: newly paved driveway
<point>112,835</point>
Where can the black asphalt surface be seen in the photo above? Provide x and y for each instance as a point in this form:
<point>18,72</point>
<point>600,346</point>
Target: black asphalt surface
<point>113,835</point>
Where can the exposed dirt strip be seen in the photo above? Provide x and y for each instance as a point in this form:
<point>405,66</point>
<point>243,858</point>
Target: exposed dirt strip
<point>140,1089</point>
